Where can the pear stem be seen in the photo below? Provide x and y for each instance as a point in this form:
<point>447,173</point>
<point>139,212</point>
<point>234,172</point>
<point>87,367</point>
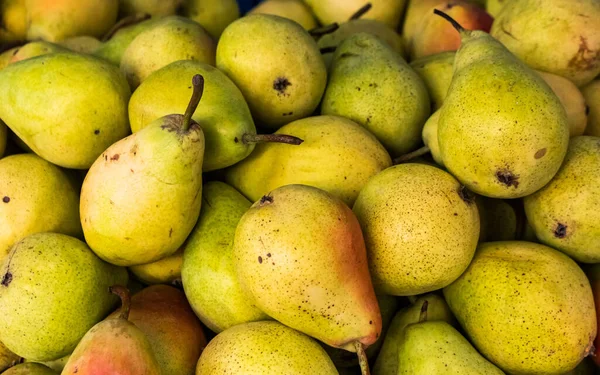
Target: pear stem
<point>125,297</point>
<point>127,21</point>
<point>454,23</point>
<point>412,155</point>
<point>361,12</point>
<point>423,315</point>
<point>275,138</point>
<point>363,361</point>
<point>322,30</point>
<point>198,84</point>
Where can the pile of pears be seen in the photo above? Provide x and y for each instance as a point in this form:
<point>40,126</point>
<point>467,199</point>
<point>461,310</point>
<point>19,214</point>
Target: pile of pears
<point>326,187</point>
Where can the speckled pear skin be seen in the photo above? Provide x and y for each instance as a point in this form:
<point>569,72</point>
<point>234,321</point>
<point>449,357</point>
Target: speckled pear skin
<point>591,93</point>
<point>40,328</point>
<point>387,360</point>
<point>208,275</point>
<point>372,85</point>
<point>60,119</point>
<point>526,307</point>
<point>150,174</point>
<point>337,155</point>
<point>420,226</point>
<point>264,348</point>
<point>430,137</point>
<point>37,196</point>
<point>565,214</point>
<point>7,358</point>
<point>213,15</point>
<point>277,66</point>
<point>431,348</point>
<point>113,49</point>
<point>436,72</point>
<point>30,369</point>
<point>502,131</point>
<point>163,271</point>
<point>223,112</point>
<point>294,251</point>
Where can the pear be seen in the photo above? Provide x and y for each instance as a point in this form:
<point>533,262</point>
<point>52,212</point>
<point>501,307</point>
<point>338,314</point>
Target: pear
<point>421,228</point>
<point>174,333</point>
<point>82,44</point>
<point>388,11</point>
<point>156,8</point>
<point>164,271</point>
<point>48,107</point>
<point>3,138</point>
<point>55,20</point>
<point>295,10</point>
<point>37,196</point>
<point>114,346</point>
<point>40,328</point>
<point>436,72</point>
<point>387,360</point>
<point>526,307</point>
<point>115,45</point>
<point>213,15</point>
<point>373,86</point>
<point>277,66</point>
<point>7,358</point>
<point>416,11</point>
<point>591,94</point>
<point>500,219</point>
<point>430,137</point>
<point>337,155</point>
<point>493,7</point>
<point>264,348</point>
<point>293,251</point>
<point>58,364</point>
<point>208,276</point>
<point>33,49</point>
<point>155,174</point>
<point>13,20</point>
<point>518,148</point>
<point>168,40</point>
<point>560,36</point>
<point>30,369</point>
<point>565,214</point>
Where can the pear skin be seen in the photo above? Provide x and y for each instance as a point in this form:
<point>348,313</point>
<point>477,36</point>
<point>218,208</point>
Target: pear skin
<point>30,369</point>
<point>294,10</point>
<point>164,271</point>
<point>591,92</point>
<point>213,15</point>
<point>208,275</point>
<point>430,137</point>
<point>155,8</point>
<point>416,11</point>
<point>82,44</point>
<point>436,72</point>
<point>493,7</point>
<point>33,49</point>
<point>293,251</point>
<point>114,48</point>
<point>387,11</point>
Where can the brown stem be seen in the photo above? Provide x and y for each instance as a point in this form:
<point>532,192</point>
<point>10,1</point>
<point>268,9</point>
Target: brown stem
<point>454,23</point>
<point>125,297</point>
<point>423,315</point>
<point>361,12</point>
<point>412,155</point>
<point>275,138</point>
<point>322,30</point>
<point>363,361</point>
<point>198,83</point>
<point>325,50</point>
<point>127,21</point>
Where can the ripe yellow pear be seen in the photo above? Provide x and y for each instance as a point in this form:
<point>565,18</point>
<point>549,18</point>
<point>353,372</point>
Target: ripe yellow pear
<point>213,15</point>
<point>296,10</point>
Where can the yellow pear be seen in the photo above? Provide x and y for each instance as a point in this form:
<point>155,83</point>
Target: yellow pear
<point>296,10</point>
<point>163,271</point>
<point>213,15</point>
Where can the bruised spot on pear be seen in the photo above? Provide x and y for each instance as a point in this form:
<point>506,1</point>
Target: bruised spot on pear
<point>540,153</point>
<point>560,231</point>
<point>266,199</point>
<point>6,199</point>
<point>465,194</point>
<point>585,58</point>
<point>7,279</point>
<point>507,178</point>
<point>281,84</point>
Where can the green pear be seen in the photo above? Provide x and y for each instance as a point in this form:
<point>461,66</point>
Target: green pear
<point>518,148</point>
<point>293,251</point>
<point>114,48</point>
<point>264,348</point>
<point>208,276</point>
<point>213,15</point>
<point>155,174</point>
<point>435,347</point>
<point>164,271</point>
<point>37,196</point>
<point>50,264</point>
<point>526,307</point>
<point>33,49</point>
<point>156,8</point>
<point>168,40</point>
<point>565,214</point>
<point>65,101</point>
<point>83,44</point>
<point>493,7</point>
<point>295,10</point>
<point>411,215</point>
<point>30,369</point>
<point>436,71</point>
<point>560,36</point>
<point>223,115</point>
<point>174,333</point>
<point>337,155</point>
<point>277,66</point>
<point>7,358</point>
<point>387,360</point>
<point>3,138</point>
<point>372,85</point>
<point>591,93</point>
<point>430,137</point>
<point>114,346</point>
<point>387,11</point>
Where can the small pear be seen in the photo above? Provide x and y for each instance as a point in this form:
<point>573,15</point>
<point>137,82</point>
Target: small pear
<point>264,348</point>
<point>213,15</point>
<point>164,271</point>
<point>277,66</point>
<point>591,92</point>
<point>51,113</point>
<point>114,346</point>
<point>168,40</point>
<point>155,8</point>
<point>37,196</point>
<point>526,307</point>
<point>33,49</point>
<point>39,328</point>
<point>565,214</point>
<point>436,72</point>
<point>337,155</point>
<point>3,138</point>
<point>156,174</point>
<point>30,369</point>
<point>7,358</point>
<point>294,10</point>
<point>207,274</point>
<point>388,11</point>
<point>372,85</point>
<point>113,47</point>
